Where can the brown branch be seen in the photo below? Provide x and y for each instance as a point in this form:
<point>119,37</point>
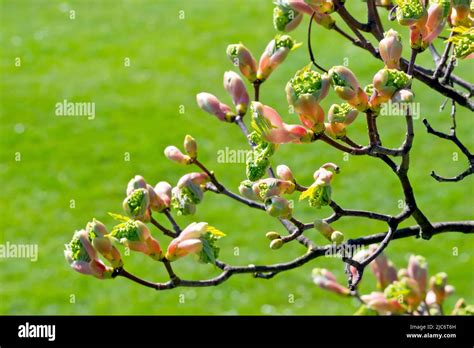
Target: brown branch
<point>228,270</point>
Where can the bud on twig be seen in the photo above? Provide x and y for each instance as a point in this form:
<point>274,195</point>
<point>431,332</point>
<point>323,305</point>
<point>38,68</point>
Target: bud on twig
<point>210,104</point>
<point>235,86</point>
<point>390,48</point>
<point>175,155</point>
<point>275,53</point>
<point>190,146</point>
<point>241,56</point>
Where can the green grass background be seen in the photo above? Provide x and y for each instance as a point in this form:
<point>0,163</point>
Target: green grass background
<point>137,111</point>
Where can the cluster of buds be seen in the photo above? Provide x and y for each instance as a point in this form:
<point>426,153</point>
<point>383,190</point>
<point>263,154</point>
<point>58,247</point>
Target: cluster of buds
<point>328,232</point>
<point>390,84</point>
<point>188,192</point>
<point>135,235</point>
<point>274,54</point>
<point>319,193</point>
<point>347,87</point>
<point>235,86</point>
<point>405,292</point>
<point>425,24</point>
<point>304,92</point>
<point>82,253</point>
<point>463,42</point>
<point>339,117</point>
<point>196,238</point>
<point>142,198</point>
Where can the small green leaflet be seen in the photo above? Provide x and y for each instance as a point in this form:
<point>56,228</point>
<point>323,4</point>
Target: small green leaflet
<point>119,217</point>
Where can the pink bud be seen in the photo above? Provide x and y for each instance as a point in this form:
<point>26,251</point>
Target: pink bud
<point>378,302</point>
<point>265,188</point>
<point>418,270</point>
<point>390,48</point>
<point>188,241</point>
<point>279,132</point>
<point>163,191</point>
<point>437,16</point>
<point>242,57</point>
<point>196,178</point>
<point>135,183</point>
<point>235,86</point>
<point>284,173</point>
<point>326,280</point>
<point>213,106</point>
<point>384,271</point>
<point>335,130</point>
<point>275,53</point>
<point>174,154</point>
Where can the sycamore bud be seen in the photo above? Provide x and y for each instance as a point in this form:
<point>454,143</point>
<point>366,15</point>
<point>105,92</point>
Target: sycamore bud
<point>163,191</point>
<point>136,205</point>
<point>135,183</point>
<point>383,269</point>
<point>326,280</point>
<point>304,92</point>
<point>388,81</point>
<point>137,237</point>
<point>324,228</point>
<point>190,146</point>
<point>342,113</point>
<point>285,18</point>
<point>246,190</point>
<point>235,86</point>
<point>188,242</point>
<point>307,83</point>
<point>460,13</point>
<point>347,87</point>
<point>284,173</point>
<point>210,104</point>
<point>268,187</point>
<point>337,237</point>
<point>175,155</point>
<point>437,17</point>
<point>410,12</point>
<point>379,302</point>
<point>275,53</point>
<point>418,270</point>
<point>97,234</point>
<point>390,48</point>
<point>279,207</point>
<point>322,6</point>
<point>438,286</point>
<point>272,235</point>
<point>406,291</point>
<point>242,57</point>
<point>276,244</point>
<point>83,258</point>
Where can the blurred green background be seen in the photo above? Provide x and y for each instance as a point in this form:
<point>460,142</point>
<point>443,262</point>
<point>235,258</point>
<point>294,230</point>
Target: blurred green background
<point>137,112</point>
